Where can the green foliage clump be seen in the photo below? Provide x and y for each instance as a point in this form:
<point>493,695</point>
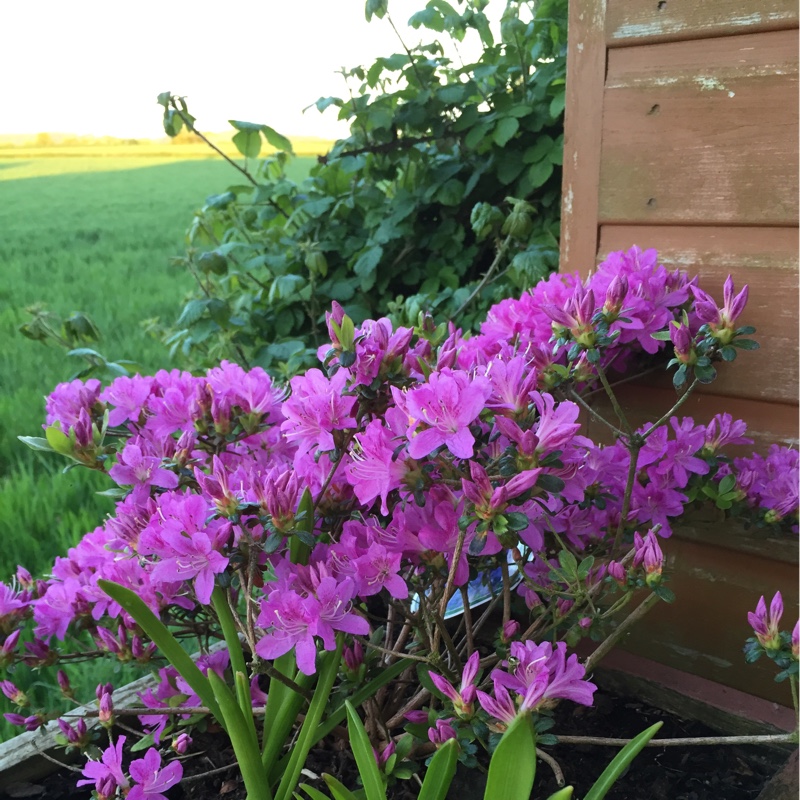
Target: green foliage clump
<point>445,197</point>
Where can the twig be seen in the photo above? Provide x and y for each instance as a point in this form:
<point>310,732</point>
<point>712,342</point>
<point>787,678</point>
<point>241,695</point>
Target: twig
<point>492,267</point>
<point>613,398</point>
<point>594,414</point>
<point>49,758</point>
<point>190,126</point>
<point>553,764</point>
<point>681,400</point>
<point>616,634</point>
<point>201,775</point>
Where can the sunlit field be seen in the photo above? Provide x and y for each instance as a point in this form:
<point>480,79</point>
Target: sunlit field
<point>93,234</point>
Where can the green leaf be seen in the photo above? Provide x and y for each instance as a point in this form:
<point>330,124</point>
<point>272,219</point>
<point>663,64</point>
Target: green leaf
<point>568,563</point>
<point>365,759</point>
<point>36,443</point>
<point>746,344</point>
<point>662,336</point>
<point>243,739</point>
<point>665,594</point>
<point>58,440</point>
<point>513,765</point>
<point>299,550</point>
<point>376,8</point>
<point>557,105</point>
<point>504,130</point>
<point>305,739</point>
<point>539,173</point>
<point>277,140</point>
<point>248,143</point>
<point>338,790</point>
<point>192,312</point>
<point>166,643</point>
<point>562,794</point>
<point>726,484</point>
<point>314,794</point>
<point>539,151</point>
<point>440,772</point>
<point>620,763</point>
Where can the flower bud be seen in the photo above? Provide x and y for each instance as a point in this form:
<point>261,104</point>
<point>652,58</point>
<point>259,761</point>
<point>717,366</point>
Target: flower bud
<point>510,631</point>
<point>181,743</point>
<point>617,572</point>
<point>64,684</point>
<point>106,714</point>
<point>442,731</point>
<point>14,694</point>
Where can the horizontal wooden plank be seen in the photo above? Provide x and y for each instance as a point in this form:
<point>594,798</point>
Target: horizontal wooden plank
<point>631,22</point>
<point>764,258</point>
<point>726,710</point>
<point>768,423</point>
<point>702,132</point>
<point>704,631</point>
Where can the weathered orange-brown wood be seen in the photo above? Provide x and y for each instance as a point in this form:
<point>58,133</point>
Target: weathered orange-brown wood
<point>704,631</point>
<point>764,258</point>
<point>647,21</point>
<point>586,64</point>
<point>702,132</point>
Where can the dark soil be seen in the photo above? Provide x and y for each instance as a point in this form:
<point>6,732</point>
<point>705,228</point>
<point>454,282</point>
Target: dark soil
<point>712,772</point>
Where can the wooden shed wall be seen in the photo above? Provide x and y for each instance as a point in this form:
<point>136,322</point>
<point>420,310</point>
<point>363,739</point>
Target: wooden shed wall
<point>682,135</point>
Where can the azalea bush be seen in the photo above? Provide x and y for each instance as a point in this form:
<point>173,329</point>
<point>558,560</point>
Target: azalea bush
<point>418,525</point>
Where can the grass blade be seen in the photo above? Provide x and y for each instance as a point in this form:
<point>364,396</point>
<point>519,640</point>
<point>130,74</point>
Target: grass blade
<point>365,758</point>
<point>338,790</point>
<point>165,642</point>
<point>513,765</point>
<point>245,745</point>
<point>621,762</point>
<point>440,772</point>
<point>305,739</point>
<point>231,634</point>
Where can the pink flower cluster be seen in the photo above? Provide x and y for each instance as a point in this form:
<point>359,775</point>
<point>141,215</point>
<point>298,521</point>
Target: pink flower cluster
<point>409,460</point>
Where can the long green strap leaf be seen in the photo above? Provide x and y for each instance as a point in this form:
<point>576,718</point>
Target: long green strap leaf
<point>562,794</point>
<point>440,772</point>
<point>621,762</point>
<point>314,794</point>
<point>276,736</point>
<point>245,744</point>
<point>165,642</point>
<point>338,790</point>
<point>362,749</point>
<point>305,739</point>
<point>277,692</point>
<point>513,765</point>
<point>231,634</point>
<point>298,550</point>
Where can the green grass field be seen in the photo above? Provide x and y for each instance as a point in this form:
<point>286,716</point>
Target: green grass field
<point>95,235</point>
<point>91,234</point>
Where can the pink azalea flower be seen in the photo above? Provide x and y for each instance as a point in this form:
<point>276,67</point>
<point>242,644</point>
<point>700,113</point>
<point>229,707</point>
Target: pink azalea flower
<point>441,411</point>
<point>150,780</point>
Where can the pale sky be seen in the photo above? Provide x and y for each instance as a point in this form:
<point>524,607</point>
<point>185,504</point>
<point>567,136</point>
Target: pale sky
<point>96,66</point>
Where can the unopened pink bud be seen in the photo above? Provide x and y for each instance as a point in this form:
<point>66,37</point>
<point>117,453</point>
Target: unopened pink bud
<point>181,743</point>
<point>15,695</point>
<point>510,631</point>
<point>106,714</point>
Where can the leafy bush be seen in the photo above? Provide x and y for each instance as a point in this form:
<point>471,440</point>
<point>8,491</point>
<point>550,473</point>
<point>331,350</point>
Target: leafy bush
<point>443,199</point>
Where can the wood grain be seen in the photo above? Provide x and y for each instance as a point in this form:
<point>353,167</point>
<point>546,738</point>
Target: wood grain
<point>702,132</point>
<point>631,22</point>
<point>586,63</point>
<point>767,423</point>
<point>704,631</point>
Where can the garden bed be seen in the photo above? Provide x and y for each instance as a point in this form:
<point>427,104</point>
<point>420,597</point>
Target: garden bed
<point>718,772</point>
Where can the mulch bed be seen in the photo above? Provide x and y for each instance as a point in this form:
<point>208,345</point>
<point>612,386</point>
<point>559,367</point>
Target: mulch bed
<point>709,772</point>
